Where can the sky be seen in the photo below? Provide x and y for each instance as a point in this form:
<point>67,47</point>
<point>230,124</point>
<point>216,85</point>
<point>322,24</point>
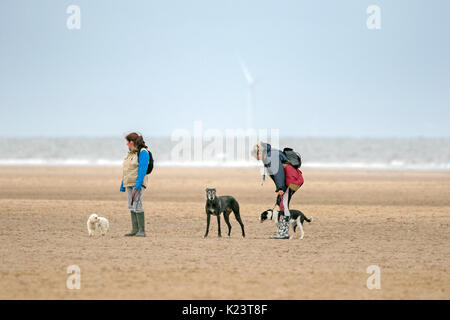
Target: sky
<point>158,66</point>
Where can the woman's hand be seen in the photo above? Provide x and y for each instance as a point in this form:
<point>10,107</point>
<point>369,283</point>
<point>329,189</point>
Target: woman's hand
<point>281,192</point>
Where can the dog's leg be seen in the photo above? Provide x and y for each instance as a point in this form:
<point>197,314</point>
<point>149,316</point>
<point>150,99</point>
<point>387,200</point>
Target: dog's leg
<point>219,233</point>
<point>208,219</point>
<point>226,216</point>
<point>238,218</point>
<point>292,224</point>
<point>300,225</point>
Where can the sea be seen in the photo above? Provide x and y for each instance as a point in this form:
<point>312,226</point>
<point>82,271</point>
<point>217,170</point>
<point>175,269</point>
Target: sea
<point>425,154</point>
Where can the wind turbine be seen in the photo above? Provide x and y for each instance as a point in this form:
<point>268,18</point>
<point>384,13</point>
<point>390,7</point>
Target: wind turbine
<point>250,85</point>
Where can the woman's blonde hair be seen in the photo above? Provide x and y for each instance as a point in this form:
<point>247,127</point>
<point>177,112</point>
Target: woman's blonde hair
<point>256,148</point>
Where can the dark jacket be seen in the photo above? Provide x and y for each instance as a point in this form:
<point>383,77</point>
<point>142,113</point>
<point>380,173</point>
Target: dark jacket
<point>273,160</point>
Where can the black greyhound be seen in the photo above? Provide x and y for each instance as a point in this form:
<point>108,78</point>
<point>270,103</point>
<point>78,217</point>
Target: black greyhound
<point>215,205</point>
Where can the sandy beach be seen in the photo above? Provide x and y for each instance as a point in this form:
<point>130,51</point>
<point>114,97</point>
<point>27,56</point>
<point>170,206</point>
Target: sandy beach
<point>398,221</point>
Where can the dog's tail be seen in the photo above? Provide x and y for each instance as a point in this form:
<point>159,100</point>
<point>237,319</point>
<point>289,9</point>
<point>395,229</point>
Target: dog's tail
<point>309,220</point>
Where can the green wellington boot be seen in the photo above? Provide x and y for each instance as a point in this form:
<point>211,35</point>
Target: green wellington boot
<point>141,224</point>
<point>283,229</point>
<point>134,225</point>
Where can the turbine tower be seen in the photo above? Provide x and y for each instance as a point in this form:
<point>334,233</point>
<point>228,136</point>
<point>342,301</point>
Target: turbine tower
<point>250,85</point>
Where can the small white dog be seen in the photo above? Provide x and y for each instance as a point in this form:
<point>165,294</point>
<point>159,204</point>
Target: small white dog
<point>97,223</point>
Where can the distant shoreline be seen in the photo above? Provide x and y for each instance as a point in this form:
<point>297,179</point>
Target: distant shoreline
<point>412,154</point>
<point>394,166</point>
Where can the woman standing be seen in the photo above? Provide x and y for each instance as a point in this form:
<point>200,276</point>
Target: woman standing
<point>134,181</point>
<point>287,180</point>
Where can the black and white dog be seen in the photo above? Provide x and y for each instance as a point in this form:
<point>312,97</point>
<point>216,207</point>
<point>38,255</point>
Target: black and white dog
<point>215,205</point>
<point>296,219</point>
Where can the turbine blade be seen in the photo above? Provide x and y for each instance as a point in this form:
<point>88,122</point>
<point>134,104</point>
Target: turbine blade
<point>246,72</point>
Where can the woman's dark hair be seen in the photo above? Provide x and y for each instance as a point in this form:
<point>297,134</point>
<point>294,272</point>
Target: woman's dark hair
<point>137,139</point>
